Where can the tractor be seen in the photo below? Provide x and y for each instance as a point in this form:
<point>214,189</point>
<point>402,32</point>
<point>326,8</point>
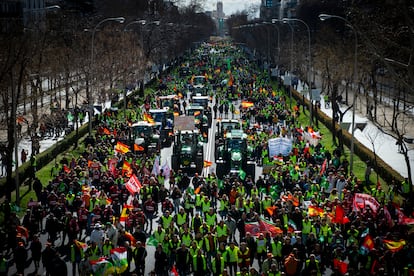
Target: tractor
<point>145,137</point>
<point>234,155</point>
<point>165,119</point>
<point>200,119</point>
<point>188,152</point>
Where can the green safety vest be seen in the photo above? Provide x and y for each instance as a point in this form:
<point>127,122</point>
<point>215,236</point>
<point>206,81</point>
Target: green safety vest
<point>106,248</point>
<point>306,227</point>
<point>3,265</point>
<point>276,248</point>
<point>203,258</point>
<point>159,236</point>
<point>261,245</point>
<point>217,266</point>
<point>186,239</point>
<point>211,219</point>
<point>166,221</point>
<point>221,231</point>
<point>181,219</point>
<point>233,254</point>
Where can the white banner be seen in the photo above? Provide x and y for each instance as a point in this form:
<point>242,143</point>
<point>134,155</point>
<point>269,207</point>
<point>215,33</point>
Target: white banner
<point>133,185</point>
<point>278,146</point>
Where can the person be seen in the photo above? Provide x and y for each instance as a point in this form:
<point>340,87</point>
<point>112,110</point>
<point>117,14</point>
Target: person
<point>161,261</point>
<point>47,257</point>
<point>76,255</point>
<point>232,256</point>
<point>23,156</point>
<point>267,264</point>
<point>183,260</point>
<point>291,264</point>
<point>20,257</point>
<point>4,265</point>
<point>36,249</point>
<point>218,264</point>
<point>312,266</point>
<point>199,264</point>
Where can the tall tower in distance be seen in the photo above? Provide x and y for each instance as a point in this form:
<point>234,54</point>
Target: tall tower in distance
<point>220,13</point>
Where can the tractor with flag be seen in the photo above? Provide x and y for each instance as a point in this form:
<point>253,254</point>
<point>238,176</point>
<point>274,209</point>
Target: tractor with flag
<point>145,137</point>
<point>200,119</point>
<point>234,155</point>
<point>188,151</point>
<point>164,119</point>
<point>224,126</point>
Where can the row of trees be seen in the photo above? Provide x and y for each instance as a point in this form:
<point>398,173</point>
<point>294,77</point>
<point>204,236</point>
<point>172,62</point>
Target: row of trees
<point>385,69</point>
<point>58,49</point>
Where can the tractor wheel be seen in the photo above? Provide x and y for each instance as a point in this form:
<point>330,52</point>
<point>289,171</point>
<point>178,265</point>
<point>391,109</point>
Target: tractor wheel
<point>175,162</point>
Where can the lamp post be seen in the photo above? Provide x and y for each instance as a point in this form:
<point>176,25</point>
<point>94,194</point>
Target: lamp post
<point>324,17</point>
<point>287,20</point>
<point>140,23</point>
<point>90,109</point>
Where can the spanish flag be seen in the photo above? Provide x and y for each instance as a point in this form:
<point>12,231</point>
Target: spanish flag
<point>138,147</point>
<point>197,113</point>
<point>246,104</point>
<point>394,246</point>
<point>130,238</point>
<point>147,117</point>
<point>197,191</point>
<point>314,211</point>
<point>207,163</point>
<point>81,245</point>
<point>126,168</point>
<point>121,147</point>
<point>125,212</point>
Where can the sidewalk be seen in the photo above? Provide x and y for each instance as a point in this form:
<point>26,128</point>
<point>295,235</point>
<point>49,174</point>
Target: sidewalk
<point>371,136</point>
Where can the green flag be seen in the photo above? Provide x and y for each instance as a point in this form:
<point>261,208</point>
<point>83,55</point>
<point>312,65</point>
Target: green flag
<point>152,241</point>
<point>242,174</point>
<point>220,184</point>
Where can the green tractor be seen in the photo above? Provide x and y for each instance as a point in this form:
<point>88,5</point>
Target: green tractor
<point>145,137</point>
<point>234,155</point>
<point>188,152</point>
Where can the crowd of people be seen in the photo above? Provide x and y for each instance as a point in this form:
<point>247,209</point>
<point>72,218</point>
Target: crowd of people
<point>299,218</point>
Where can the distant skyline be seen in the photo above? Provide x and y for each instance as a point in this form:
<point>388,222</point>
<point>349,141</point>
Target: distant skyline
<point>231,6</point>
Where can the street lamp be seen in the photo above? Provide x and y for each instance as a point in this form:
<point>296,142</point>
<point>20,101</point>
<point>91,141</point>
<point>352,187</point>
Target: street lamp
<point>140,23</point>
<point>287,20</point>
<point>324,17</point>
<point>90,109</point>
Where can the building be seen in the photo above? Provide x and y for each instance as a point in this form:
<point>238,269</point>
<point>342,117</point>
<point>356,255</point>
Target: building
<point>270,9</point>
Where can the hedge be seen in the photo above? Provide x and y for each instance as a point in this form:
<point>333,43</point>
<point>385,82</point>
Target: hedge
<point>45,157</point>
<point>384,170</point>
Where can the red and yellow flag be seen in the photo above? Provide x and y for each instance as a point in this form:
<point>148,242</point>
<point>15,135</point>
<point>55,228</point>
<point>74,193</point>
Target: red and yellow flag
<point>147,117</point>
<point>138,147</point>
<point>121,147</point>
<point>81,245</point>
<point>207,163</point>
<point>246,104</point>
<point>126,168</point>
<point>314,211</point>
<point>394,246</point>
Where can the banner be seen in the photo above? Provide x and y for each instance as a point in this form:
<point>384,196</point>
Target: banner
<point>262,226</point>
<point>133,185</point>
<point>362,200</point>
<point>279,146</point>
